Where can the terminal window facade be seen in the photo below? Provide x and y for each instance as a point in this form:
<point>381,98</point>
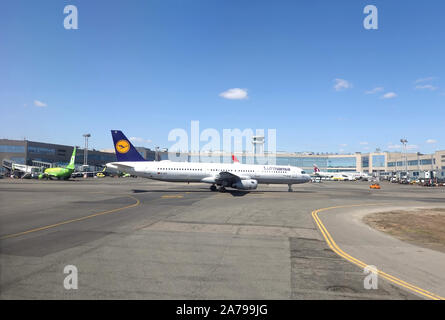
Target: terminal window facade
<point>20,160</point>
<point>12,149</point>
<point>95,157</point>
<point>41,150</point>
<point>412,163</point>
<point>426,161</point>
<point>42,160</point>
<point>378,161</point>
<point>346,162</point>
<point>61,152</point>
<point>306,162</point>
<point>365,162</point>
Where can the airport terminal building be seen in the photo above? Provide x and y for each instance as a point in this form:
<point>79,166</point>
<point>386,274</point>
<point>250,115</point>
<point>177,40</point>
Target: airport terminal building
<point>375,163</point>
<point>42,154</point>
<point>48,154</point>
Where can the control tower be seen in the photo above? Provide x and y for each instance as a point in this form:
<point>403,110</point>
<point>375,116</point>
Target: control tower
<point>258,144</point>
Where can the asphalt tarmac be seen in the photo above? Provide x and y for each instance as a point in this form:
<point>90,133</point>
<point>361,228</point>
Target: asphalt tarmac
<point>141,239</point>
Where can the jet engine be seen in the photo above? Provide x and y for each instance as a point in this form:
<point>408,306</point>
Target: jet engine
<point>248,184</point>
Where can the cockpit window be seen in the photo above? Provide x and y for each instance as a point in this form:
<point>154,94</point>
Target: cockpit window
<point>303,172</point>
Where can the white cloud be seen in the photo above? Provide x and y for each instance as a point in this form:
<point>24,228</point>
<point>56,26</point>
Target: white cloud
<point>375,90</point>
<point>341,84</point>
<point>38,103</point>
<point>399,146</point>
<point>425,79</point>
<point>139,140</point>
<point>364,143</point>
<point>389,95</point>
<point>431,141</point>
<point>394,146</point>
<point>343,145</point>
<point>234,94</point>
<point>426,87</point>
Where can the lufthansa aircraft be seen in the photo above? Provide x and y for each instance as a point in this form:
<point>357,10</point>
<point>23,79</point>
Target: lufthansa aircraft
<point>225,175</point>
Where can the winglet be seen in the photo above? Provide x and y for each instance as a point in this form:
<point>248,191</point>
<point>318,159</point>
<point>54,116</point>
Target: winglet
<point>234,159</point>
<point>125,151</point>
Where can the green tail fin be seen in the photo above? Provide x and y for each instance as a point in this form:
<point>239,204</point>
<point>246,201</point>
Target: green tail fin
<point>73,157</point>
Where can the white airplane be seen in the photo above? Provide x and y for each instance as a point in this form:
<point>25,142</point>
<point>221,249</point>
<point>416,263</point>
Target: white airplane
<point>334,175</point>
<point>225,175</point>
<point>363,176</point>
<point>350,176</point>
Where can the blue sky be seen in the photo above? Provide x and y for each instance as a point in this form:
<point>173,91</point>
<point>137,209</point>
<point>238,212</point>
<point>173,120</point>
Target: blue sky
<point>309,68</point>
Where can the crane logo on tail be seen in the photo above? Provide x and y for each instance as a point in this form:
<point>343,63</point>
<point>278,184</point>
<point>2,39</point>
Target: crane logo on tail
<point>123,146</point>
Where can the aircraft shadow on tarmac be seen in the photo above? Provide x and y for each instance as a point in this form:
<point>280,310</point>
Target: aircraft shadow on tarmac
<point>235,193</point>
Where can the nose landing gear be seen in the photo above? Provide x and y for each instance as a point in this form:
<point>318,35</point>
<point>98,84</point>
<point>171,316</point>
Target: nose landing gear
<point>213,188</point>
<point>290,188</point>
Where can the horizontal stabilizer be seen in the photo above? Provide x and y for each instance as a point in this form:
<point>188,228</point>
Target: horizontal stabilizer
<point>120,166</point>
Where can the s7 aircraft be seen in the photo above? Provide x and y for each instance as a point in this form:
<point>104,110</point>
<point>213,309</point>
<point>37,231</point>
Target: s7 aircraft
<point>224,175</point>
<point>60,172</point>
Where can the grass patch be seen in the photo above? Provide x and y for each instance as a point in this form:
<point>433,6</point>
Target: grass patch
<point>425,228</point>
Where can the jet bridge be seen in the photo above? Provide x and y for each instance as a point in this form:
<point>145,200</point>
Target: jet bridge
<point>23,170</point>
<point>7,164</point>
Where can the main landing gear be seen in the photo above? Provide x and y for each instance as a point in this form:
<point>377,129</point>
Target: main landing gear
<point>220,189</point>
<point>290,188</point>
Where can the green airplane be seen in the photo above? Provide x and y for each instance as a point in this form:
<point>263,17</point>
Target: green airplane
<point>59,172</point>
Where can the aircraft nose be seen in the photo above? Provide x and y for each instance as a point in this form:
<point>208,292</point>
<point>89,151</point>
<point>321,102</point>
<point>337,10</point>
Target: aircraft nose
<point>307,177</point>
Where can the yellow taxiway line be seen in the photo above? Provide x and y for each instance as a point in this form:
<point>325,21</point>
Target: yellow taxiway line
<point>72,220</point>
<point>172,196</point>
<point>330,241</point>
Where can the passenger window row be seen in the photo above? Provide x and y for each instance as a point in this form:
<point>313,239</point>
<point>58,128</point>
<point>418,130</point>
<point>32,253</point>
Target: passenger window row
<point>181,169</point>
<point>191,169</point>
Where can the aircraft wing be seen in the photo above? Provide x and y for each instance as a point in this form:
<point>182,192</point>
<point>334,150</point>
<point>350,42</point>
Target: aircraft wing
<point>227,178</point>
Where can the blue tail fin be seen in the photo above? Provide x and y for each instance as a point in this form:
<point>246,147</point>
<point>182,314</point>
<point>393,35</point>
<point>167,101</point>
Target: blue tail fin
<point>125,151</point>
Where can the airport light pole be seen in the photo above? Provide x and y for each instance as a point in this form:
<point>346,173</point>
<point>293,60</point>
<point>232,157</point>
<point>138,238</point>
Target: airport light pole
<point>85,151</point>
<point>404,142</point>
<point>418,163</point>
